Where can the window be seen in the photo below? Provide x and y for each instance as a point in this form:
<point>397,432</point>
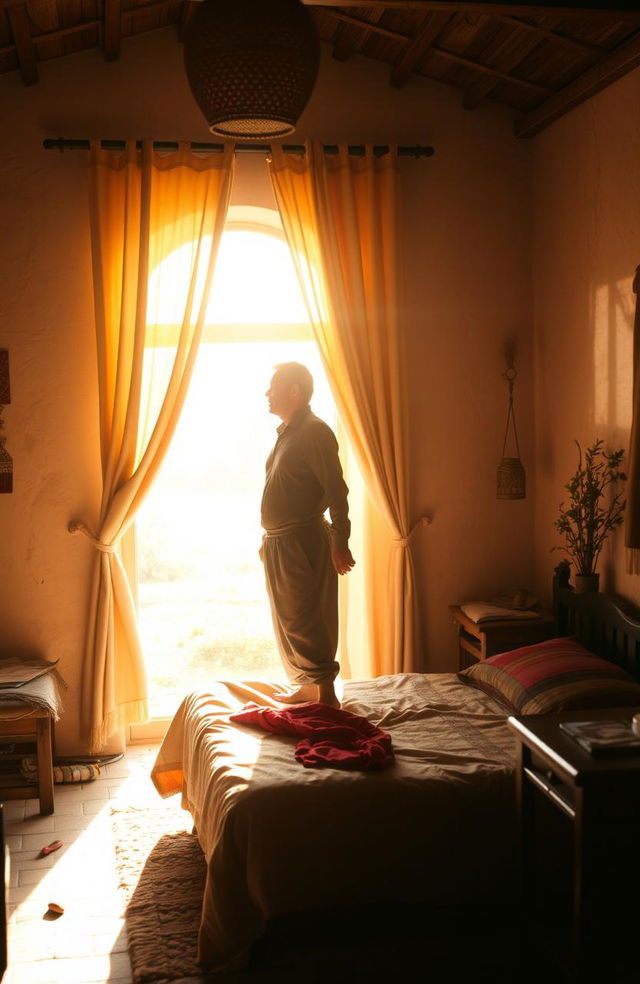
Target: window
<point>202,603</point>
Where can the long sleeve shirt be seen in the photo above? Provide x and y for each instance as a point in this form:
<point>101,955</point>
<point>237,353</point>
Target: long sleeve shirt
<point>304,478</point>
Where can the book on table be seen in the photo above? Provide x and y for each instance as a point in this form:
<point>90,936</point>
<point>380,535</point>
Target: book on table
<point>606,737</point>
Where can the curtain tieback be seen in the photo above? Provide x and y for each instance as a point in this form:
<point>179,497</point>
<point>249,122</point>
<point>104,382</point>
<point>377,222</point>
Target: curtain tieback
<point>404,541</point>
<point>75,526</point>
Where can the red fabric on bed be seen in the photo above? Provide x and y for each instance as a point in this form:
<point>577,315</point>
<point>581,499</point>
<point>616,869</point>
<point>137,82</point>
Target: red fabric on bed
<point>330,736</point>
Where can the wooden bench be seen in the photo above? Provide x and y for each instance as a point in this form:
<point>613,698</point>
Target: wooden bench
<point>20,724</point>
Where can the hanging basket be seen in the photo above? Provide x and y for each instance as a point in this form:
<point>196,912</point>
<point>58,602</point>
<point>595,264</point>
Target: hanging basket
<point>251,65</point>
<point>512,481</point>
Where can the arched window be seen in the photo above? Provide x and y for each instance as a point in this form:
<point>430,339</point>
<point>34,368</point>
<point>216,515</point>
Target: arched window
<point>202,604</point>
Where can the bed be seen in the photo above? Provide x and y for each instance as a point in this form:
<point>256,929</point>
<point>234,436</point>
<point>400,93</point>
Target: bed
<point>438,828</point>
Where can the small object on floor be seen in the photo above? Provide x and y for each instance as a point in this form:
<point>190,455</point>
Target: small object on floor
<point>54,911</point>
<point>61,773</point>
<point>50,848</point>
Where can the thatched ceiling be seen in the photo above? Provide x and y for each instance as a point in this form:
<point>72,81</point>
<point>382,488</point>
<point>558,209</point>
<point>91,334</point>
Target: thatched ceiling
<point>540,59</point>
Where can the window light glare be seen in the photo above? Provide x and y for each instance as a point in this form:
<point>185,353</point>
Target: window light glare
<point>254,283</point>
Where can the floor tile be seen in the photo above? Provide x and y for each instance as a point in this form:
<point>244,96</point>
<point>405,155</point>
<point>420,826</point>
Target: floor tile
<point>87,944</point>
<point>29,825</point>
<point>14,810</point>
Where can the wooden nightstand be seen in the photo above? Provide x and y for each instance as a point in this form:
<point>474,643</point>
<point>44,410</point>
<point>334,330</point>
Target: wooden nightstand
<point>594,803</point>
<point>476,642</point>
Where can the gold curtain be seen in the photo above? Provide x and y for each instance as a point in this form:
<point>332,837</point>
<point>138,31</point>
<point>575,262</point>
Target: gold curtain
<point>340,218</point>
<point>143,207</point>
<point>632,526</point>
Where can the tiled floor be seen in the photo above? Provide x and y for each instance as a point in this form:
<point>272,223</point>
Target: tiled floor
<point>87,944</point>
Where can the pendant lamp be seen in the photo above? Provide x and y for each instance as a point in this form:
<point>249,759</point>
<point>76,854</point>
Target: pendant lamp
<point>512,480</point>
<point>251,65</point>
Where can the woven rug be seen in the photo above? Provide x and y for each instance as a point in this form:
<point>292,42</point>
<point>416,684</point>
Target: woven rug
<point>161,872</point>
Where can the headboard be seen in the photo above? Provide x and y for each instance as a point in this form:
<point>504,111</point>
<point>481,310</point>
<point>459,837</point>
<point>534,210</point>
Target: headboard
<point>597,621</point>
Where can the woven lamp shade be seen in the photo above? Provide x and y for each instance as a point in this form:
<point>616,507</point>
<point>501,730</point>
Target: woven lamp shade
<point>251,65</point>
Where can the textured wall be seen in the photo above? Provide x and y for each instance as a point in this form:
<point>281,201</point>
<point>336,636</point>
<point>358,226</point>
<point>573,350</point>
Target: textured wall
<point>586,247</point>
<point>466,241</point>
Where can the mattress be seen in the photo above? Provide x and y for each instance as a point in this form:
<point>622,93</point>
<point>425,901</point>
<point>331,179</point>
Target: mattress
<point>437,827</point>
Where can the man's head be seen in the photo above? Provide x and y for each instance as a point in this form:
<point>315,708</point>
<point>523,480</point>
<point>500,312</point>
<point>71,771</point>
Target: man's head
<point>291,389</point>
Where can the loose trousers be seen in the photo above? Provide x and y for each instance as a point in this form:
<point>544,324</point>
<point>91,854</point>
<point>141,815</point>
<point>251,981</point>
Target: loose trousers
<point>302,585</point>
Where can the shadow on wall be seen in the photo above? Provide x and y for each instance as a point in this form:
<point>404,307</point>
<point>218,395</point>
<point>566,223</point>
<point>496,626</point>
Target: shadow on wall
<point>585,385</point>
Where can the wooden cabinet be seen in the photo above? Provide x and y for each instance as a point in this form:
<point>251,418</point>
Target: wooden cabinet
<point>477,642</point>
<point>593,803</point>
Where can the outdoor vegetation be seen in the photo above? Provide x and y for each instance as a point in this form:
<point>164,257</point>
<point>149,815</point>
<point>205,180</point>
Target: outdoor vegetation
<point>203,609</point>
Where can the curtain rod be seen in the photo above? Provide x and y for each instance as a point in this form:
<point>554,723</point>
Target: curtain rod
<point>357,150</point>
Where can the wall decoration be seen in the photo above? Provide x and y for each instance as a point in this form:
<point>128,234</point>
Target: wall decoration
<point>6,461</point>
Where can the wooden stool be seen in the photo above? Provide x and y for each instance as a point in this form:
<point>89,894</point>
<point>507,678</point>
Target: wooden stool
<point>35,724</point>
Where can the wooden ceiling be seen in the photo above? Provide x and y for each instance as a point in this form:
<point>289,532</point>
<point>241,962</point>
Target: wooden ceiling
<point>541,59</point>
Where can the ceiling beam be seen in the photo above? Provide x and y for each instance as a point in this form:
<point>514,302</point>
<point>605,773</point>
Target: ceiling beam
<point>554,36</point>
<point>60,32</point>
<point>358,22</point>
<point>186,13</point>
<point>111,39</point>
<point>487,70</point>
<point>431,28</point>
<point>25,48</point>
<point>155,5</point>
<point>596,78</point>
<point>63,32</point>
<point>569,8</point>
<point>503,54</point>
<point>349,37</point>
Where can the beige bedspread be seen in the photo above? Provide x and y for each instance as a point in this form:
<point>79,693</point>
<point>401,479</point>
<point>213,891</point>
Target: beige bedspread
<point>437,827</point>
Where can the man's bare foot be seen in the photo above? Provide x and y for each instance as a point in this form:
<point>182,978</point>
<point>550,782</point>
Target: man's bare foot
<point>305,693</point>
<point>324,693</point>
<point>327,694</point>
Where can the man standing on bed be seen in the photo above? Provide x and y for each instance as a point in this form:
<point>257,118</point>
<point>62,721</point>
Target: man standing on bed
<point>302,553</point>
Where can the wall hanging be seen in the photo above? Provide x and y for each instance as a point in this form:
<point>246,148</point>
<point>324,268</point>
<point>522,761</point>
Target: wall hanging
<point>512,481</point>
<point>6,462</point>
<point>251,65</point>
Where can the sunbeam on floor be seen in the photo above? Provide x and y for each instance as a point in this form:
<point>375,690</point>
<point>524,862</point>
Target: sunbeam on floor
<point>87,944</point>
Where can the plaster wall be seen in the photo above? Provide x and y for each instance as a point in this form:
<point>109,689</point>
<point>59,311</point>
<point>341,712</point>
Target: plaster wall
<point>466,266</point>
<point>586,246</point>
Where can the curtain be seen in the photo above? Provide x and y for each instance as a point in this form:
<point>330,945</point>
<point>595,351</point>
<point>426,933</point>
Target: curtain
<point>143,207</point>
<point>632,527</point>
<point>340,218</point>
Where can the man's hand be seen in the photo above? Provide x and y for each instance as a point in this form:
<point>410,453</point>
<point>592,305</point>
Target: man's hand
<point>342,560</point>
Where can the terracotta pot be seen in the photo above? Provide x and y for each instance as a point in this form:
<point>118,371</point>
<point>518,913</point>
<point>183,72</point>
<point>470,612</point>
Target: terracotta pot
<point>586,582</point>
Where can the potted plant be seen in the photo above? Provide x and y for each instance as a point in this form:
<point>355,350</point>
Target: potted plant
<point>589,518</point>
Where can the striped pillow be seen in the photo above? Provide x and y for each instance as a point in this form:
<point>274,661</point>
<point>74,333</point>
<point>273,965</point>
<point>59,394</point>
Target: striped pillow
<point>557,675</point>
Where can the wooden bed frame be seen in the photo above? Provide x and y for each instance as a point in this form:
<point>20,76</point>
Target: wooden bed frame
<point>598,621</point>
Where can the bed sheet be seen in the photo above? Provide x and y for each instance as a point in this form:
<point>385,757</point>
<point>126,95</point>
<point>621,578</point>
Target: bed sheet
<point>438,827</point>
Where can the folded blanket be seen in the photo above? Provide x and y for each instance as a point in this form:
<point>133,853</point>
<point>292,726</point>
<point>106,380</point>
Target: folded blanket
<point>330,736</point>
<point>42,693</point>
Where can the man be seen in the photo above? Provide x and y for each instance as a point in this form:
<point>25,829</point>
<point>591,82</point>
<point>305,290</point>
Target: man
<point>302,553</point>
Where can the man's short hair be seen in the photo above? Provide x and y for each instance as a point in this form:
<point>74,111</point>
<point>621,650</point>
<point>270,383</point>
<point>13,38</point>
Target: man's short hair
<point>295,373</point>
